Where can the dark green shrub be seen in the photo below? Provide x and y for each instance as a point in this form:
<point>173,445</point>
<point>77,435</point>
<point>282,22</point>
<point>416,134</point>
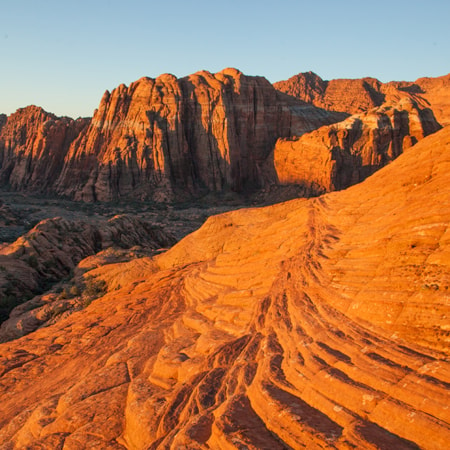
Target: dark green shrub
<point>95,288</point>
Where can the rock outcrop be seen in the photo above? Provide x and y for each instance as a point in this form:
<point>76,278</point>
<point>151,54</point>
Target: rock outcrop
<point>436,91</point>
<point>33,145</point>
<point>196,134</point>
<point>352,96</point>
<point>54,247</point>
<point>337,156</point>
<point>360,95</point>
<point>318,323</point>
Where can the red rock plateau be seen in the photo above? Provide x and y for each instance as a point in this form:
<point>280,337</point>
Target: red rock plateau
<point>319,323</point>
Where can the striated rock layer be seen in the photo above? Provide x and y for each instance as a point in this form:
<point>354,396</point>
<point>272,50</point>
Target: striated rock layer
<point>316,323</point>
<point>338,156</point>
<point>360,95</point>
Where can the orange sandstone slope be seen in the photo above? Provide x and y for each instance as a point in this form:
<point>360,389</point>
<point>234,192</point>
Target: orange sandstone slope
<point>318,323</point>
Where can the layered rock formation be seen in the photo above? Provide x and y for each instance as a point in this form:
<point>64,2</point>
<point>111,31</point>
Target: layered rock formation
<point>174,139</point>
<point>196,134</point>
<point>317,323</point>
<point>360,95</point>
<point>340,155</point>
<point>437,92</point>
<point>33,145</point>
<point>349,95</point>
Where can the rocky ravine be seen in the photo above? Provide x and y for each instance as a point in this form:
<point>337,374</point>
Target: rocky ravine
<point>317,323</point>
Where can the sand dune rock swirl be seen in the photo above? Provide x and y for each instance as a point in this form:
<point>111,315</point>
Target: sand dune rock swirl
<point>318,323</point>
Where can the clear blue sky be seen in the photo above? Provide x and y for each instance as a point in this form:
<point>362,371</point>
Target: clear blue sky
<point>62,55</point>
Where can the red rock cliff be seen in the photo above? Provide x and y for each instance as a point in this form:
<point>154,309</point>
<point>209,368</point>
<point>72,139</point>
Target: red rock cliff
<point>33,144</point>
<point>340,155</point>
<point>165,136</point>
<point>347,95</point>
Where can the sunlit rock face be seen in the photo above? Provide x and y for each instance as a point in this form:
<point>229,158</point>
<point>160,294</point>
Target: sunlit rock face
<point>170,139</point>
<point>338,156</point>
<point>33,145</point>
<point>355,96</point>
<point>166,136</point>
<point>318,323</point>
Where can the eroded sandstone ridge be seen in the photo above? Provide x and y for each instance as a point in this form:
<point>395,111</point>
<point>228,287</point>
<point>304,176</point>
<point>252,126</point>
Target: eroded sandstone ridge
<point>338,156</point>
<point>360,95</point>
<point>318,323</point>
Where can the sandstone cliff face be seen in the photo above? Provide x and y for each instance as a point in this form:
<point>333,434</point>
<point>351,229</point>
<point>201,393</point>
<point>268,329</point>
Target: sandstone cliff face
<point>169,138</point>
<point>318,323</point>
<point>33,144</point>
<point>340,155</point>
<point>347,95</point>
<point>437,92</point>
<point>197,134</point>
<point>360,95</point>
